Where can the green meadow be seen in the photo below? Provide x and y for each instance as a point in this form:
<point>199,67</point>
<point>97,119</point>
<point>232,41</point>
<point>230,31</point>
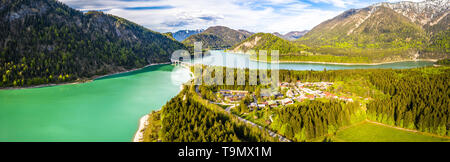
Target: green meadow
<point>370,132</point>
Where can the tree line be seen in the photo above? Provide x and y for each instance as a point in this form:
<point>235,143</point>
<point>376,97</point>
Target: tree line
<point>186,118</point>
<point>312,119</point>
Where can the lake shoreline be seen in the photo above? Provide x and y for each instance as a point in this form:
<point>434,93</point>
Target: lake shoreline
<point>348,64</point>
<point>143,121</point>
<point>139,135</point>
<point>82,81</point>
<point>337,63</point>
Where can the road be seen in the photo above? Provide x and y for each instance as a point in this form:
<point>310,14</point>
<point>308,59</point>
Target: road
<point>273,134</point>
<point>228,109</point>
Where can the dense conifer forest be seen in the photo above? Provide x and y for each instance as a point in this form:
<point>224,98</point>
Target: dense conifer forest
<point>418,99</point>
<point>314,119</point>
<point>189,118</point>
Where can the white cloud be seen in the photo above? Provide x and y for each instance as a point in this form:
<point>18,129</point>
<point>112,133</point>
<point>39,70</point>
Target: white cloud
<point>405,0</point>
<point>337,3</point>
<point>304,20</point>
<point>253,15</point>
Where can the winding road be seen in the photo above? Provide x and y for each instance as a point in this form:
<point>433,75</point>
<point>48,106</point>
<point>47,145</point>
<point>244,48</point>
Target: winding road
<point>273,134</point>
<point>228,109</point>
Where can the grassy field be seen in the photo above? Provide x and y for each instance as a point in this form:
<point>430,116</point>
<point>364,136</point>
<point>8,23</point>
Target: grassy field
<point>370,132</point>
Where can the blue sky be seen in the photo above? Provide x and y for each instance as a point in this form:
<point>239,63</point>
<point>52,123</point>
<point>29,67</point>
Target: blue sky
<point>253,15</point>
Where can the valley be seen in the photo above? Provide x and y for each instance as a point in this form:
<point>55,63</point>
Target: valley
<point>73,72</point>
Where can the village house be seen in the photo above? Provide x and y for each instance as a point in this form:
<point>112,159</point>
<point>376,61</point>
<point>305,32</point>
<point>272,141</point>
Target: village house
<point>290,94</point>
<point>272,103</point>
<point>262,105</point>
<point>287,101</point>
<point>225,93</point>
<point>239,93</point>
<point>310,97</point>
<point>265,95</point>
<point>233,95</point>
<point>279,95</point>
<point>300,99</point>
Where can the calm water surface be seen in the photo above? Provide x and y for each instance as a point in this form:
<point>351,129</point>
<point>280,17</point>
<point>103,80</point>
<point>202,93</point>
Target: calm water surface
<point>106,109</point>
<point>220,58</point>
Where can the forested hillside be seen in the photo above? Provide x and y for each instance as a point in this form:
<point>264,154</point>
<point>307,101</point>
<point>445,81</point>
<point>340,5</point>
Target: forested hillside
<point>266,41</point>
<point>418,99</point>
<point>188,118</point>
<point>218,37</point>
<point>183,34</point>
<point>45,41</point>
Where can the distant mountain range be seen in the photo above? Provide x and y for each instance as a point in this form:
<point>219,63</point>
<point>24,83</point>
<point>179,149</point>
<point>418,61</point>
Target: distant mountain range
<point>181,35</point>
<point>378,33</point>
<point>45,41</point>
<point>218,37</point>
<point>293,35</point>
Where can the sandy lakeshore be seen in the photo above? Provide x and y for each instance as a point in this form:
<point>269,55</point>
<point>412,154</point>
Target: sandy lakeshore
<point>143,121</point>
<point>139,135</point>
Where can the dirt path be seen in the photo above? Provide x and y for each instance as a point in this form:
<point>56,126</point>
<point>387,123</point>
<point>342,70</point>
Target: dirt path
<point>390,126</point>
<point>273,134</point>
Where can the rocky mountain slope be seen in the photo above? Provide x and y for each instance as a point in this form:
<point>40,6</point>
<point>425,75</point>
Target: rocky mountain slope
<point>218,37</point>
<point>382,32</point>
<point>45,41</point>
<point>416,28</point>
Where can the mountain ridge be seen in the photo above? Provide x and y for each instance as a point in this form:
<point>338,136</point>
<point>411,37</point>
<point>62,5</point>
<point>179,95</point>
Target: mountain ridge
<point>374,34</point>
<point>218,37</point>
<point>181,35</point>
<point>292,35</point>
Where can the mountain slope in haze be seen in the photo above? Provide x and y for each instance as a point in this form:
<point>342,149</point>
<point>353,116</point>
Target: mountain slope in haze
<point>409,29</point>
<point>45,41</point>
<point>246,32</point>
<point>218,37</point>
<point>293,35</point>
<point>181,35</point>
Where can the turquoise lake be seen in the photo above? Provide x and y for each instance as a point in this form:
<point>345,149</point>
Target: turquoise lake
<point>220,58</point>
<point>106,109</point>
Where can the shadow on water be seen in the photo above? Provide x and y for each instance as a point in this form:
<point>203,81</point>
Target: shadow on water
<point>163,67</point>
